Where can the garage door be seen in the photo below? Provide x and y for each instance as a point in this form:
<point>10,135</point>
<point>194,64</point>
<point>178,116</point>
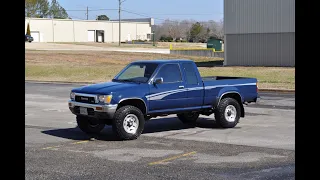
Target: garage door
<point>91,36</point>
<point>36,36</point>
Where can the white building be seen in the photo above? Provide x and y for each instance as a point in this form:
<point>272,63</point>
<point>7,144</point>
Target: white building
<point>68,30</point>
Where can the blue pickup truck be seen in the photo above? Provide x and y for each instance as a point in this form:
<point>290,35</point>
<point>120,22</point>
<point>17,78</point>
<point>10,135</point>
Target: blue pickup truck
<point>147,89</point>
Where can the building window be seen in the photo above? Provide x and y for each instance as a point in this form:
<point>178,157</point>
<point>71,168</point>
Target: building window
<point>148,36</point>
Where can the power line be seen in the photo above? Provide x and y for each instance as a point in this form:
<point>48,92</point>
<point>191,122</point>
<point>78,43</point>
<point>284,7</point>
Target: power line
<point>159,14</point>
<point>92,10</point>
<point>142,15</point>
<point>167,20</point>
<point>103,10</point>
<point>197,14</point>
<point>187,14</point>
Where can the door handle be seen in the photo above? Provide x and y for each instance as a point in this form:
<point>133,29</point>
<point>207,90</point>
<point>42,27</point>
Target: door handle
<point>181,87</point>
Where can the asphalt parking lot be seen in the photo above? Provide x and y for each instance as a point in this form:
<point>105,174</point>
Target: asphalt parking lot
<point>262,146</point>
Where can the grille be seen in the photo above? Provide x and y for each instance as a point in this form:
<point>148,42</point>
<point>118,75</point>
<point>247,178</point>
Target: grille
<point>85,99</point>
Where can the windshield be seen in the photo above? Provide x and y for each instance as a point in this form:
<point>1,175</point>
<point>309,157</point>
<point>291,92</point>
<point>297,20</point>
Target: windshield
<point>137,72</point>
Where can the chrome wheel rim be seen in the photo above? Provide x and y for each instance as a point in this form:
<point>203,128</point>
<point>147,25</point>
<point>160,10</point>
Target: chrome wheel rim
<point>230,113</point>
<point>131,123</point>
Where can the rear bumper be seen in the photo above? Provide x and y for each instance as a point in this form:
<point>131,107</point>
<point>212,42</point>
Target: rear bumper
<point>94,110</point>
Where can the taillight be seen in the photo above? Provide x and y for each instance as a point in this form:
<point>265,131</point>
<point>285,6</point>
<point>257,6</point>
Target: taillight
<point>257,87</point>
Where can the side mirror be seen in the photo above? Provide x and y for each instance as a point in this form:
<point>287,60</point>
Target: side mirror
<point>158,80</point>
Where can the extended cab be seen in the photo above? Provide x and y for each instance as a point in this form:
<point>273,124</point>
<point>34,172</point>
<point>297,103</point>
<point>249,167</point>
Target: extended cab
<point>147,89</point>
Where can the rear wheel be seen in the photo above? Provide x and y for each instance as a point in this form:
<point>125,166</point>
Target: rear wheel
<point>189,117</point>
<point>227,114</point>
<point>90,125</point>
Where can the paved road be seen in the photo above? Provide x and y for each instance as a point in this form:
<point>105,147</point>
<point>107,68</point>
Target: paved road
<point>260,147</point>
<point>75,47</point>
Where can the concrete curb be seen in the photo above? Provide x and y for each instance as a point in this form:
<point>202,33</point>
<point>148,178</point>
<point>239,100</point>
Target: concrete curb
<point>278,90</point>
<point>85,83</point>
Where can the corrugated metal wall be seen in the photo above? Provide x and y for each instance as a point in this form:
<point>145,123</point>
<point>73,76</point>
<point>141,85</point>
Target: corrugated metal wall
<point>267,49</point>
<point>259,32</point>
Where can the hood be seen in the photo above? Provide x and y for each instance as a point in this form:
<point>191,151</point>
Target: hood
<point>105,88</point>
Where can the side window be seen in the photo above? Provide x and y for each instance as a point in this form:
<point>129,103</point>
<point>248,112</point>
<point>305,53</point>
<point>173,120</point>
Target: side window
<point>191,75</point>
<point>170,73</point>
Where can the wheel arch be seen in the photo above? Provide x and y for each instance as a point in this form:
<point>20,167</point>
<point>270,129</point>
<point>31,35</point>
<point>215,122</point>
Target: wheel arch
<point>136,102</point>
<point>235,95</point>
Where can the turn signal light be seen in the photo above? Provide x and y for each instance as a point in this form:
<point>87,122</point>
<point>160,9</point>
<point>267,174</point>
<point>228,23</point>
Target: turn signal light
<point>99,108</point>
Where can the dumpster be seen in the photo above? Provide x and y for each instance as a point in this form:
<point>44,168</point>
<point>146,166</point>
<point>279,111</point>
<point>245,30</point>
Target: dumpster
<point>215,43</point>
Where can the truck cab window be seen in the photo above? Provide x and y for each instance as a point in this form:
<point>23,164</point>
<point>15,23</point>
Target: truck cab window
<point>191,75</point>
<point>170,73</point>
<point>139,72</point>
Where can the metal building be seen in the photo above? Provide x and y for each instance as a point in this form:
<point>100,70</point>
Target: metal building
<point>67,30</point>
<point>259,32</point>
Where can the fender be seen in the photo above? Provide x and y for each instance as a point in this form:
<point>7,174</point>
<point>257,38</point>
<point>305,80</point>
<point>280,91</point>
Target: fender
<point>232,90</point>
<point>135,98</point>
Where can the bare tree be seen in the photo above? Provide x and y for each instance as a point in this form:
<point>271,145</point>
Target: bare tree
<point>174,30</point>
<point>220,32</point>
<point>182,29</point>
<point>185,27</point>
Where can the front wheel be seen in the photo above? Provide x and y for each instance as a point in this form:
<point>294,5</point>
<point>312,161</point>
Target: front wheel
<point>227,114</point>
<point>128,122</point>
<point>90,125</point>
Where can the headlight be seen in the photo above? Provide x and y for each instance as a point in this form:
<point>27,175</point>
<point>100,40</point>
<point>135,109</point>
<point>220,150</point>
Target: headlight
<point>105,98</point>
<point>72,95</point>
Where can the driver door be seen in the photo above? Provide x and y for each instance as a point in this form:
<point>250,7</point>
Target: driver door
<point>170,94</point>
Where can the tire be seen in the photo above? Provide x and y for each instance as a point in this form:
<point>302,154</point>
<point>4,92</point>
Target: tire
<point>188,118</point>
<point>128,122</point>
<point>227,114</point>
<point>90,125</point>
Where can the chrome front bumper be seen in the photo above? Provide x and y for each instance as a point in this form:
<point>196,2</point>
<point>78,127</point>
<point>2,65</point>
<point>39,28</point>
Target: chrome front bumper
<point>99,111</point>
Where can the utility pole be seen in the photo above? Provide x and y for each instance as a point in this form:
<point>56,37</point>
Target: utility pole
<point>119,23</point>
<point>87,13</point>
<point>120,2</point>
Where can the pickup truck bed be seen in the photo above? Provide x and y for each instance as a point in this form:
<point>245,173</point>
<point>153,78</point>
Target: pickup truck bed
<point>247,86</point>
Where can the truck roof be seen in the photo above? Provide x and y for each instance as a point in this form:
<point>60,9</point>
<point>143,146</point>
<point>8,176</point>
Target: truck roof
<point>161,61</point>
